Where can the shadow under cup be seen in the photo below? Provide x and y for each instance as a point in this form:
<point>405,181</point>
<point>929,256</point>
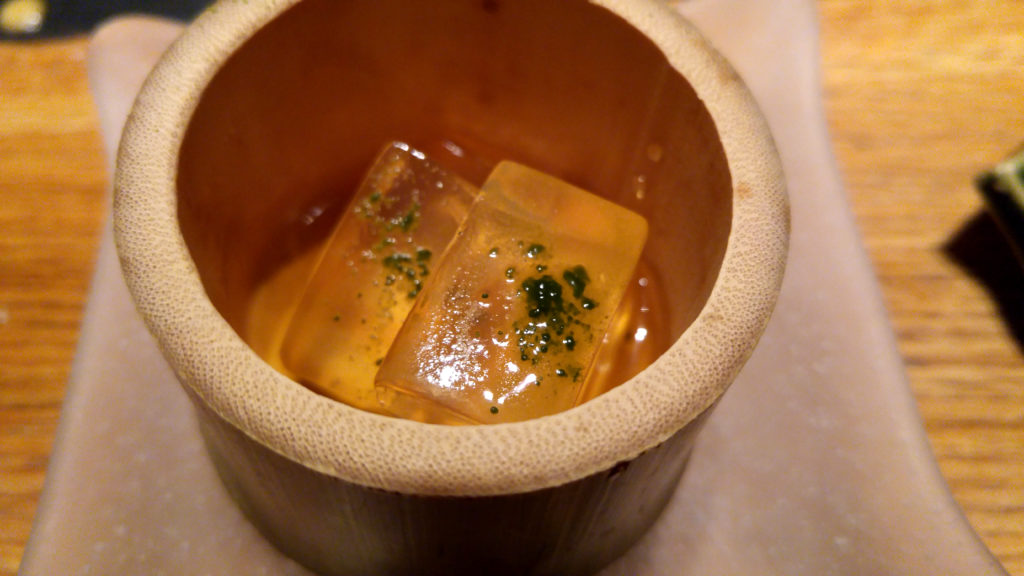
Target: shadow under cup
<point>246,144</point>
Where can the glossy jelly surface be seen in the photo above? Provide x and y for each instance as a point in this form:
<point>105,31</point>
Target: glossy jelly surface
<point>509,323</point>
<point>404,214</point>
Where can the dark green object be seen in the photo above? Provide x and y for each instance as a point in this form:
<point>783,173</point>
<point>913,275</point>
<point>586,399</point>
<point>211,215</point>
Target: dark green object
<point>543,296</point>
<point>577,278</point>
<point>70,17</point>
<point>1003,189</point>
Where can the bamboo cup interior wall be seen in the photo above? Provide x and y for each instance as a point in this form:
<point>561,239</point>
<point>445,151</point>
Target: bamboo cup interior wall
<point>262,119</point>
<point>294,118</point>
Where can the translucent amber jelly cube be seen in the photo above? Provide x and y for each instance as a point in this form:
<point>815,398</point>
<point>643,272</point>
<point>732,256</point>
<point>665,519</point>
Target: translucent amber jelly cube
<point>383,248</point>
<point>510,321</point>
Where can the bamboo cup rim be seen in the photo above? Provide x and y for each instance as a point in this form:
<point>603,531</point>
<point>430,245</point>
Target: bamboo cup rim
<point>219,370</point>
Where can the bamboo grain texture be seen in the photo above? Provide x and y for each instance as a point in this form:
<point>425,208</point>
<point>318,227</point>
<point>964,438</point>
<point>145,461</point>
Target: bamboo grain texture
<point>920,96</point>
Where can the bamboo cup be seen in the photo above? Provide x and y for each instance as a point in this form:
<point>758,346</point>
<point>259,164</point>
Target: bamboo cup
<point>263,111</point>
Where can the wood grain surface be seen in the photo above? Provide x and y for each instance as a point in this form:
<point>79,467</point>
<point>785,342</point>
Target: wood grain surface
<point>921,95</point>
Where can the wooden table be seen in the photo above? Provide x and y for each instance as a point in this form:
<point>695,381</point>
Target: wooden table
<point>920,94</point>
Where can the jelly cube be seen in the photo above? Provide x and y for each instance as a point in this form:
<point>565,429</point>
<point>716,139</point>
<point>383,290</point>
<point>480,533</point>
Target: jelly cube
<point>404,214</point>
<point>509,323</point>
